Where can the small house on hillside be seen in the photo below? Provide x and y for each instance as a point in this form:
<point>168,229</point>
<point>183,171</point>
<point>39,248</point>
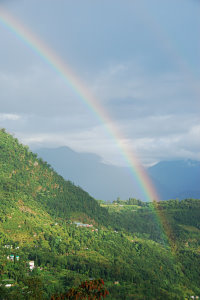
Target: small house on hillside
<point>12,257</point>
<point>78,224</point>
<point>31,264</point>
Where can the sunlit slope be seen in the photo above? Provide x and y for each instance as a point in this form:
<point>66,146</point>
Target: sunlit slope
<point>182,217</point>
<point>32,186</point>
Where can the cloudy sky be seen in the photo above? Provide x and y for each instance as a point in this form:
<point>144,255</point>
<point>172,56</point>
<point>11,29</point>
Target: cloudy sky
<point>140,59</point>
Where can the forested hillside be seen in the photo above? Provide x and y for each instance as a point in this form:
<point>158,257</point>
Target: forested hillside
<point>53,235</point>
<point>24,179</point>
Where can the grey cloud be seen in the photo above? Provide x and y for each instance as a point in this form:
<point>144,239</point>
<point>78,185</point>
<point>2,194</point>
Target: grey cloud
<point>41,93</point>
<point>152,98</point>
<point>160,125</point>
<point>145,94</point>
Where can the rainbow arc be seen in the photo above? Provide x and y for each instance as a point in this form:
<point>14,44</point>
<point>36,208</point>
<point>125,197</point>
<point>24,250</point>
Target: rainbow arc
<point>84,94</point>
<point>60,67</point>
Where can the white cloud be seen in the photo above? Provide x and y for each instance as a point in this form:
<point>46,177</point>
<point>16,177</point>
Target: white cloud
<point>9,117</point>
<point>171,146</point>
<point>92,140</point>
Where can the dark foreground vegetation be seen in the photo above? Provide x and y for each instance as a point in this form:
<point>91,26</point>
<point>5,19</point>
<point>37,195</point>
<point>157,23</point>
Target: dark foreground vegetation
<point>54,236</point>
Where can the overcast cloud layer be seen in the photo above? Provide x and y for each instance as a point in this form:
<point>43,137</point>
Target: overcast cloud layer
<point>139,58</point>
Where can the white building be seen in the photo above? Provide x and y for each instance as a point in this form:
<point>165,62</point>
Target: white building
<point>31,265</point>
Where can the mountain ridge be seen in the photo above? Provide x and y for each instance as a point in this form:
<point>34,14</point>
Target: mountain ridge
<point>108,182</point>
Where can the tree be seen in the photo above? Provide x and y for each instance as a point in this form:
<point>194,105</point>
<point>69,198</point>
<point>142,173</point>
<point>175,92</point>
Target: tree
<point>91,290</point>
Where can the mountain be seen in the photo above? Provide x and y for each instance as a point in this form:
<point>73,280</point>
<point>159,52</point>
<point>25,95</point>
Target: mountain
<point>54,235</point>
<point>172,179</point>
<point>180,177</point>
<point>102,181</point>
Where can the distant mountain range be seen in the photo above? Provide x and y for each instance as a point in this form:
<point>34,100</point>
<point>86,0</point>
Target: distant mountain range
<point>102,181</point>
<point>172,179</point>
<point>179,179</point>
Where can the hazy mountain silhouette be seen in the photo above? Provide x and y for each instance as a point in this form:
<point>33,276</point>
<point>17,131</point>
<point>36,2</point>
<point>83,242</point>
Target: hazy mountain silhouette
<point>173,179</point>
<point>102,181</point>
<point>181,178</point>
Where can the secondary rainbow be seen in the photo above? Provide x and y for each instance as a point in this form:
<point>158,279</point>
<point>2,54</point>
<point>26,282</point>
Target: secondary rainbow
<point>22,33</point>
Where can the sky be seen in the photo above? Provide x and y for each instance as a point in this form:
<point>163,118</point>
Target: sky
<point>140,60</point>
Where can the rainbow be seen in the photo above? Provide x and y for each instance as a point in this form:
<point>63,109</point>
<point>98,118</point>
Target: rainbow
<point>72,81</point>
<point>137,171</point>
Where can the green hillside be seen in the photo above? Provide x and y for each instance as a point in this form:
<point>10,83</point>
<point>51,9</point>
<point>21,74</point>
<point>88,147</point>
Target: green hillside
<point>43,219</point>
<point>26,180</point>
